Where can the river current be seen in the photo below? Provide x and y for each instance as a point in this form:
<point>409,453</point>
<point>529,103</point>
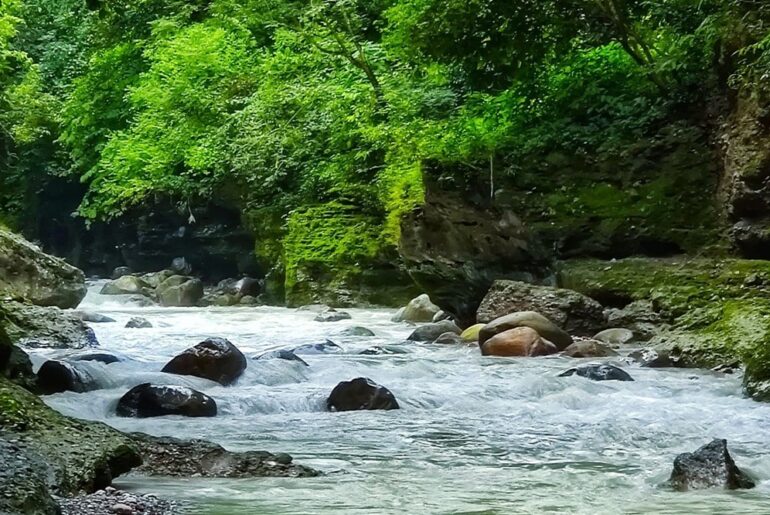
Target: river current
<point>475,435</point>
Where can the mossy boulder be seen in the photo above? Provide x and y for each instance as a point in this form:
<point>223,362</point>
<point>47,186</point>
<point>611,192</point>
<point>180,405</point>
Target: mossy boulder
<point>716,310</point>
<point>49,327</point>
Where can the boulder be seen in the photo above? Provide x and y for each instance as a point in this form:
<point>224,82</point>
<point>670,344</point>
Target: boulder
<point>46,327</point>
<point>357,331</point>
<point>711,466</point>
<point>127,285</point>
<point>653,357</point>
<point>536,321</point>
<point>360,394</point>
<point>119,272</point>
<point>441,315</point>
<point>155,278</point>
<point>450,338</point>
<point>138,323</point>
<point>28,274</point>
<point>94,318</point>
<point>419,309</point>
<point>568,309</point>
<point>471,334</point>
<point>326,347</point>
<point>148,400</point>
<point>598,372</point>
<point>589,349</point>
<point>519,341</point>
<point>215,358</point>
<point>56,376</point>
<point>284,354</point>
<point>332,315</point>
<point>639,316</point>
<point>615,336</point>
<point>180,266</point>
<point>179,291</point>
<point>429,332</point>
<point>171,457</point>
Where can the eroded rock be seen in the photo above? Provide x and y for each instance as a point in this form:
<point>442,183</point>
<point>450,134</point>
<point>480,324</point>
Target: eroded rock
<point>711,466</point>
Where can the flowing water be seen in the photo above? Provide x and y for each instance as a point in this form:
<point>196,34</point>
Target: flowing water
<point>474,435</point>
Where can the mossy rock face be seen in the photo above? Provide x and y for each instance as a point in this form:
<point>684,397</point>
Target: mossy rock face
<point>718,310</point>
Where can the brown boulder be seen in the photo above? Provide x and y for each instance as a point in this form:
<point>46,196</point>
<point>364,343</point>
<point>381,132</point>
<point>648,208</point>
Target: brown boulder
<point>589,349</point>
<point>519,341</point>
<point>536,321</point>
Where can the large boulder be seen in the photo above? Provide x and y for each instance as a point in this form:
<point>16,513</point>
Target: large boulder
<point>429,332</point>
<point>711,466</point>
<point>519,341</point>
<point>28,274</point>
<point>56,376</point>
<point>127,285</point>
<point>536,321</point>
<point>148,400</point>
<point>216,359</point>
<point>179,291</point>
<point>360,393</point>
<point>598,372</point>
<point>589,349</point>
<point>570,310</point>
<point>49,327</point>
<point>454,250</point>
<point>419,309</point>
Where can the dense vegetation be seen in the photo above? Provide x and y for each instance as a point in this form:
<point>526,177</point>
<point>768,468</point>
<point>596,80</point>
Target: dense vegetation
<point>286,107</point>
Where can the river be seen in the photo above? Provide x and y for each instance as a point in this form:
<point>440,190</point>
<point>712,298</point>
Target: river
<point>475,434</point>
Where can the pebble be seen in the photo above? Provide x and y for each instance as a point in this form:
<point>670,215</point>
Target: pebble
<point>118,502</point>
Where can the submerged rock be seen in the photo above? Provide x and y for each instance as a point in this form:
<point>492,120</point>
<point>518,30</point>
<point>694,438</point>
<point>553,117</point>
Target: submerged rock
<point>360,394</point>
<point>317,348</point>
<point>101,357</point>
<point>138,323</point>
<point>28,274</point>
<point>711,466</point>
<point>429,332</point>
<point>216,359</point>
<point>568,309</point>
<point>536,321</point>
<point>378,350</point>
<point>332,315</point>
<point>599,372</point>
<point>56,376</point>
<point>419,309</point>
<point>357,331</point>
<point>284,354</point>
<point>589,349</point>
<point>46,327</point>
<point>172,457</point>
<point>148,400</point>
<point>519,341</point>
<point>179,291</point>
<point>94,318</point>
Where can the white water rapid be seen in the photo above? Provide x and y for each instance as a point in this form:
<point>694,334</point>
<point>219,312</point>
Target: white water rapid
<point>474,435</point>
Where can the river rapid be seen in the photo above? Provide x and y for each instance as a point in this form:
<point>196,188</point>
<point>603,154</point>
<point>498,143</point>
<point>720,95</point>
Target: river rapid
<point>481,435</point>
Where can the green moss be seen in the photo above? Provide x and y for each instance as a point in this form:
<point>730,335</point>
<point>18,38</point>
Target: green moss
<point>401,190</point>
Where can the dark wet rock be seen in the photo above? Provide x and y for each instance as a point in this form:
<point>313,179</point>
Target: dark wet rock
<point>138,323</point>
<point>546,328</point>
<point>615,336</point>
<point>357,331</point>
<point>180,266</point>
<point>172,457</point>
<point>589,349</point>
<point>711,466</point>
<point>654,358</point>
<point>284,354</point>
<point>94,318</point>
<point>56,376</point>
<point>727,368</point>
<point>127,285</point>
<point>215,358</point>
<point>378,350</point>
<point>179,291</point>
<point>519,341</point>
<point>332,315</point>
<point>419,309</point>
<point>17,367</point>
<point>360,394</point>
<point>568,309</point>
<point>429,332</point>
<point>118,502</point>
<point>27,274</point>
<point>327,347</point>
<point>100,357</point>
<point>148,400</point>
<point>599,372</point>
<point>46,327</point>
<point>119,272</point>
<point>450,338</point>
<point>24,488</point>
